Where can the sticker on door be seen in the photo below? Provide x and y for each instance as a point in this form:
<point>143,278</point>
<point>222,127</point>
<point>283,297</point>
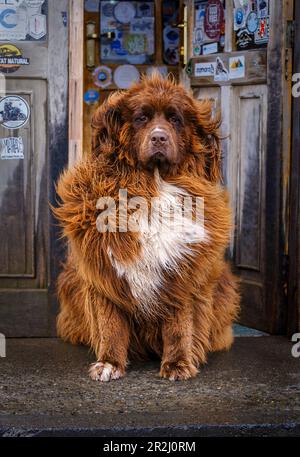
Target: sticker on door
<point>11,148</point>
<point>11,58</point>
<point>14,112</point>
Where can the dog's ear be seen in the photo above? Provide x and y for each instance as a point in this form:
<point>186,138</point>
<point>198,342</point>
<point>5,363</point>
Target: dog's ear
<point>207,130</point>
<point>106,124</point>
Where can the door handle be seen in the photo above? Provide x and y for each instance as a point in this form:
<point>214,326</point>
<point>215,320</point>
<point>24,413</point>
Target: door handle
<point>91,37</point>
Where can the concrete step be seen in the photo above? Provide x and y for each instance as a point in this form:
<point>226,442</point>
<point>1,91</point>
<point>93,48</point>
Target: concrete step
<point>252,390</point>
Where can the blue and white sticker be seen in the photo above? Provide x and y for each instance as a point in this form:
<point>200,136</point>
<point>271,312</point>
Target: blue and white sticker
<point>14,112</point>
<point>252,22</point>
<point>102,76</point>
<point>11,148</point>
<point>239,18</point>
<point>91,96</point>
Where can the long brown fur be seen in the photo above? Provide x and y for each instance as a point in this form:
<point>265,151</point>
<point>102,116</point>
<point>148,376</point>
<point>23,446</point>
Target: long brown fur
<point>195,308</point>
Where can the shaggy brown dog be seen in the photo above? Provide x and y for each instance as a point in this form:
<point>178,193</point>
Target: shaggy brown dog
<point>130,293</point>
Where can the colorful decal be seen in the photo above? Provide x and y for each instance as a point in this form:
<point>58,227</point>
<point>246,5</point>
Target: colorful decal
<point>102,76</point>
<point>23,20</point>
<point>91,96</point>
<point>237,67</point>
<point>209,28</point>
<point>135,43</point>
<point>131,24</point>
<point>11,148</point>
<point>125,75</point>
<point>251,23</point>
<point>239,18</point>
<point>263,32</point>
<point>214,18</point>
<point>11,58</point>
<point>171,45</point>
<point>14,112</point>
<point>205,69</point>
<point>221,72</point>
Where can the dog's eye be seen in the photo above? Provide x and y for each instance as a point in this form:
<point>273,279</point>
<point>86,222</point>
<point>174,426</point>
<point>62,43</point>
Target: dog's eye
<point>174,119</point>
<point>140,119</point>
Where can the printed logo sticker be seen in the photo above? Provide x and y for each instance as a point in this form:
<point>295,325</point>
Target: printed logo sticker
<point>221,72</point>
<point>38,26</point>
<point>91,96</point>
<point>11,148</point>
<point>214,19</point>
<point>11,58</point>
<point>237,67</point>
<point>205,69</point>
<point>102,76</point>
<point>14,112</point>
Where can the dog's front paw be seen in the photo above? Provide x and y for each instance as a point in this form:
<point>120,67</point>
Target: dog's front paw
<point>177,371</point>
<point>104,371</point>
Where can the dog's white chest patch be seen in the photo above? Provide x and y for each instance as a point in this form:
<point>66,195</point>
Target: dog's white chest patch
<point>166,236</point>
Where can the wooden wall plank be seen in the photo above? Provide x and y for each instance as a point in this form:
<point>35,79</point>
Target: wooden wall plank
<point>76,72</point>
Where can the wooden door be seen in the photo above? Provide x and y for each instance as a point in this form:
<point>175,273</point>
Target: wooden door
<point>33,142</point>
<point>240,58</point>
<point>124,40</point>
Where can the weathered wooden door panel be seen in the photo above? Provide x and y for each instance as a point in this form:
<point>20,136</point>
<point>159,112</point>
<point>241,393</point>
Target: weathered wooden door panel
<point>33,149</point>
<point>248,161</point>
<point>23,241</point>
<point>24,211</point>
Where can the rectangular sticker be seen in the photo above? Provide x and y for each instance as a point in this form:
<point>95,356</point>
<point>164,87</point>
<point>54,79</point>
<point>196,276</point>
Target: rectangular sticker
<point>237,67</point>
<point>11,148</point>
<point>211,48</point>
<point>205,69</point>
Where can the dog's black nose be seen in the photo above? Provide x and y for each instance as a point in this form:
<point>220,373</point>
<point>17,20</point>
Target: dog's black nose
<point>159,136</point>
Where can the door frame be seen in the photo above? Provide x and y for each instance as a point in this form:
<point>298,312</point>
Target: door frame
<point>58,139</point>
<point>294,235</point>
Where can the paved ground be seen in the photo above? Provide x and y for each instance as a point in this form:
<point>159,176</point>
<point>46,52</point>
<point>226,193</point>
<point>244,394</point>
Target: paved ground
<point>252,390</point>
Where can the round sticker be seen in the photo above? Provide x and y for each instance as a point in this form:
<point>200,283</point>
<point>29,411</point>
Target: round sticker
<point>91,96</point>
<point>102,76</point>
<point>214,18</point>
<point>108,10</point>
<point>125,75</point>
<point>124,12</point>
<point>252,22</point>
<point>14,112</point>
